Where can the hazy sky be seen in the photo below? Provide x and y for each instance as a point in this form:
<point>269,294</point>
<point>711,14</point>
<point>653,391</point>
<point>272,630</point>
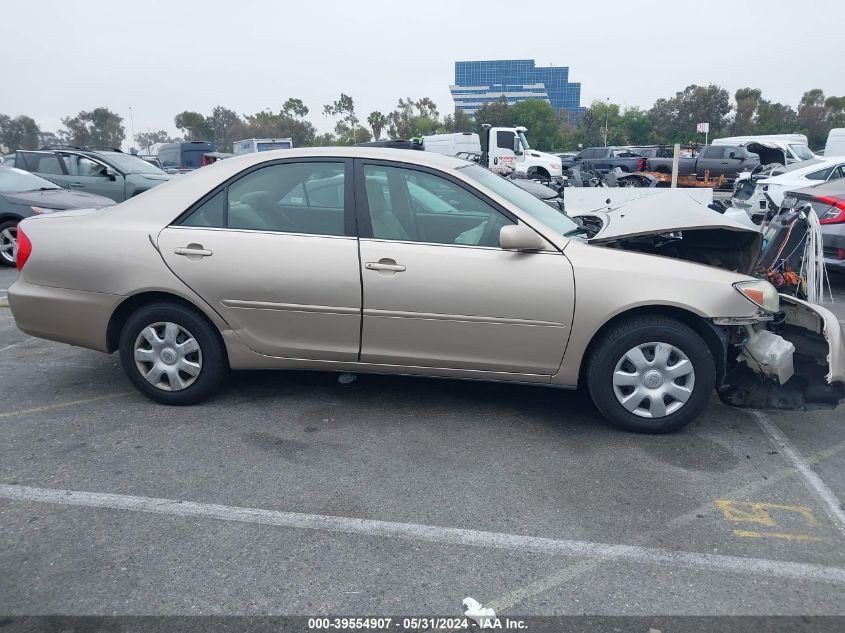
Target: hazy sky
<point>164,57</point>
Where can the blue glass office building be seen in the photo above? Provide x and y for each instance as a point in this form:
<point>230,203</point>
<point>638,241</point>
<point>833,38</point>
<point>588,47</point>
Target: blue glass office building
<point>480,82</point>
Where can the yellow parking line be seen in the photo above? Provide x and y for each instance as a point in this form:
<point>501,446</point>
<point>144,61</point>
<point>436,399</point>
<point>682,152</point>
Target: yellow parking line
<point>50,407</point>
<point>782,535</point>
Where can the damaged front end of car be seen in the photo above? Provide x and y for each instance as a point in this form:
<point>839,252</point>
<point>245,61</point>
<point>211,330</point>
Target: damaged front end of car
<point>791,354</point>
<point>794,360</point>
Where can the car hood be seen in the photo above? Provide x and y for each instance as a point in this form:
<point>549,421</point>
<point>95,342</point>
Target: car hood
<point>58,199</point>
<point>695,232</point>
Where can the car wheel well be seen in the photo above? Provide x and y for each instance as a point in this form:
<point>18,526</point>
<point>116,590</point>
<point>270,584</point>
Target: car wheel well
<point>122,313</point>
<point>540,171</point>
<point>712,336</point>
<point>8,216</point>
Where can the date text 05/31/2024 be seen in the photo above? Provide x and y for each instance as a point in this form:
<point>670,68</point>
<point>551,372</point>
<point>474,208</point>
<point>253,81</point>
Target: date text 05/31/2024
<point>414,623</point>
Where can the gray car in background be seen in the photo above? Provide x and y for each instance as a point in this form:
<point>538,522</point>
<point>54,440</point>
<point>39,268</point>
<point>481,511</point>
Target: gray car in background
<point>828,201</point>
<point>109,173</point>
<point>23,195</point>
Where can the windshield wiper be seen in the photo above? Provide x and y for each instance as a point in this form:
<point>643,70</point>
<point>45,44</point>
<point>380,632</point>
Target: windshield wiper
<point>41,189</point>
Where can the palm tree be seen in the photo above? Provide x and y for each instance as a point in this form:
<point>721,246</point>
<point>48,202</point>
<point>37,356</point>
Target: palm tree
<point>377,122</point>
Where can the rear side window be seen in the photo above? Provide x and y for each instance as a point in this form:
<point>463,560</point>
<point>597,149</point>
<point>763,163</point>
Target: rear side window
<point>714,151</point>
<point>822,174</point>
<point>291,198</point>
<point>211,213</point>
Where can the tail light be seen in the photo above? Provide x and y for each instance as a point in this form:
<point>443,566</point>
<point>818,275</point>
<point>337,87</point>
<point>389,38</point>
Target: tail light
<point>24,248</point>
<point>836,213</point>
<point>641,165</point>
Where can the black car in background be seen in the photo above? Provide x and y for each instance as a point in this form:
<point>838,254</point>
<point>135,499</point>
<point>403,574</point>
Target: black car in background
<point>23,194</point>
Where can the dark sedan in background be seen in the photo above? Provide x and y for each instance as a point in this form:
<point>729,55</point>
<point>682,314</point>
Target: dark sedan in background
<point>23,194</point>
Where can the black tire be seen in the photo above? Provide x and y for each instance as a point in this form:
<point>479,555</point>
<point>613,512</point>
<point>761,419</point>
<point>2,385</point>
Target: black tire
<point>625,336</point>
<point>212,354</point>
<point>4,255</point>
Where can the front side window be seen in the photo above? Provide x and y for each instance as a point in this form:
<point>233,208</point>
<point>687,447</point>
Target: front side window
<point>411,205</point>
<point>714,152</point>
<point>291,198</point>
<point>504,140</point>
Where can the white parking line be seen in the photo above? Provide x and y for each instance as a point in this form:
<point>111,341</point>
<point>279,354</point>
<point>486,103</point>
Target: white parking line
<point>431,534</point>
<point>18,344</point>
<point>59,405</point>
<point>815,485</point>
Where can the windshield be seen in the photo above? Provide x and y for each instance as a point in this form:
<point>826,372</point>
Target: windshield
<point>132,164</point>
<point>556,220</point>
<point>16,180</point>
<point>802,151</point>
<point>524,141</point>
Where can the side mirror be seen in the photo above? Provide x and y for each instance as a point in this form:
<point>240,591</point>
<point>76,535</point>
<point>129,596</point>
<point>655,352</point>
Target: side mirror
<point>110,173</point>
<point>518,237</point>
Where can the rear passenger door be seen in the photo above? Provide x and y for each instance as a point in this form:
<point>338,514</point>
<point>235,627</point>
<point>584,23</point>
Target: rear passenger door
<point>87,174</point>
<point>275,253</point>
<point>46,164</point>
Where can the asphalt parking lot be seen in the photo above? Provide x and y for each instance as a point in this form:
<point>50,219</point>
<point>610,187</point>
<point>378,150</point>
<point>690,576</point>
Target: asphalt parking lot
<point>291,493</point>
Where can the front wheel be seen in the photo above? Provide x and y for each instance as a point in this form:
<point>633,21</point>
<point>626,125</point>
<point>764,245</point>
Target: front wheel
<point>9,243</point>
<point>172,354</point>
<point>651,375</point>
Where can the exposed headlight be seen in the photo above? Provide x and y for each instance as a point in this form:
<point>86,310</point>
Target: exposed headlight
<point>40,210</point>
<point>761,293</point>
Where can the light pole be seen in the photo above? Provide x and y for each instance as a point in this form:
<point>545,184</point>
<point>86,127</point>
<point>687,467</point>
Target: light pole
<point>132,124</point>
<point>606,118</point>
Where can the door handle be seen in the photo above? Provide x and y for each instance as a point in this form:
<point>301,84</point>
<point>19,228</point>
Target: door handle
<point>193,250</point>
<point>388,265</point>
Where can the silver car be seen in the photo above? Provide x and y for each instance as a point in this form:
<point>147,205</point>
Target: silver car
<point>405,262</point>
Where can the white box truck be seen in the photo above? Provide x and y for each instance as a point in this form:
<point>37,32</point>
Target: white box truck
<point>251,145</point>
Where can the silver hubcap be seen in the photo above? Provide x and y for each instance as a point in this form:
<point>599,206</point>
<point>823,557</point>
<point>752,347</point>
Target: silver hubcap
<point>168,356</point>
<point>653,380</point>
<point>9,244</point>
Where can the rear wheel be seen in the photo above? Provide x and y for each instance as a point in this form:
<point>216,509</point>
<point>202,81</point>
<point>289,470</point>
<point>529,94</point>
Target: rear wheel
<point>8,242</point>
<point>172,354</point>
<point>651,375</point>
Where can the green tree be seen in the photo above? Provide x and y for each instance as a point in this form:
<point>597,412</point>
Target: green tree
<point>637,126</point>
<point>457,122</point>
<point>294,108</point>
<point>148,139</point>
<point>347,123</point>
<point>542,123</point>
<point>497,113</point>
<point>775,118</point>
<point>747,102</point>
<point>100,126</point>
<point>413,118</point>
<point>814,117</point>
<point>193,126</point>
<point>223,125</point>
<point>22,132</point>
<point>377,122</point>
<point>675,119</point>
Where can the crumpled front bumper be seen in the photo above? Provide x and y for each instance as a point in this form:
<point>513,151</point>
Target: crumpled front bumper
<point>819,362</point>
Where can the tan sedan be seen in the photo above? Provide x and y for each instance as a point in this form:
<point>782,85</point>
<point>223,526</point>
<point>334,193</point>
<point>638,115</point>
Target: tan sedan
<point>402,262</point>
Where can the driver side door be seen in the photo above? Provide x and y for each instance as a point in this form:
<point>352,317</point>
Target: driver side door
<point>438,290</point>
